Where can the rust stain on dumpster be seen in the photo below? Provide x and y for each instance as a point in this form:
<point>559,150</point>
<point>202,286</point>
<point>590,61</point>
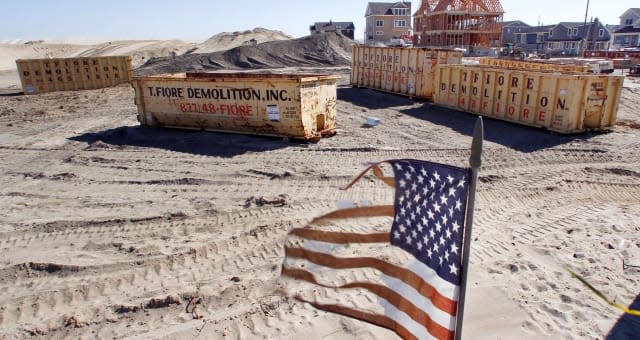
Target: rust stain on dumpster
<point>301,106</point>
<point>66,74</point>
<point>565,103</point>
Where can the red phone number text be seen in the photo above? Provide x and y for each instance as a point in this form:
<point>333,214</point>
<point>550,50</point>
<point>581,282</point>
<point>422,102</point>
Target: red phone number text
<point>222,109</point>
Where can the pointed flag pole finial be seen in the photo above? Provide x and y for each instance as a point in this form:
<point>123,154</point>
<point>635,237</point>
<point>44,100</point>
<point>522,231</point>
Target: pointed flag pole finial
<point>475,161</point>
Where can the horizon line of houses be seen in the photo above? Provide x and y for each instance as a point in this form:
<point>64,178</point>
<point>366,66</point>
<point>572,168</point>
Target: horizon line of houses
<point>569,38</point>
<point>394,20</point>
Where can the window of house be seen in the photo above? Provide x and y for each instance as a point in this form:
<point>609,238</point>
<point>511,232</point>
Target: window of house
<point>399,11</point>
<point>338,27</point>
<point>628,22</point>
<point>601,33</point>
<point>379,32</point>
<point>379,23</point>
<point>399,23</point>
<point>551,33</point>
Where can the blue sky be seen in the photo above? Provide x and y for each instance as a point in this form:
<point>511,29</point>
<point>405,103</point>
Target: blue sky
<point>197,20</point>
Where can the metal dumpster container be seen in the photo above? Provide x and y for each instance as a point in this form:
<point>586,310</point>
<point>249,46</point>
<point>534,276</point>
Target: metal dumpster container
<point>534,65</point>
<point>65,74</point>
<point>565,103</point>
<point>401,70</point>
<point>287,105</point>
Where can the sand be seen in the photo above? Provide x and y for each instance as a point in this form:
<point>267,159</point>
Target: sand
<point>228,40</point>
<point>111,230</point>
<point>329,50</point>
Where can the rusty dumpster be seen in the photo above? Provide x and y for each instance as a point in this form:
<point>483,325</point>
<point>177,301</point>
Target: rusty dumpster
<point>565,103</point>
<point>406,71</point>
<point>534,65</point>
<point>300,106</point>
<point>65,74</point>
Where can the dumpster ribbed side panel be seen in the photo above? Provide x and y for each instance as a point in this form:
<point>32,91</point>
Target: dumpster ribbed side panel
<point>559,102</point>
<point>533,66</point>
<point>65,74</point>
<point>400,70</point>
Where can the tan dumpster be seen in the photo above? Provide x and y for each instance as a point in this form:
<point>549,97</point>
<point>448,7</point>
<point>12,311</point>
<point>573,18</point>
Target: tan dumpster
<point>286,105</point>
<point>558,102</point>
<point>533,65</point>
<point>65,74</point>
<point>400,70</point>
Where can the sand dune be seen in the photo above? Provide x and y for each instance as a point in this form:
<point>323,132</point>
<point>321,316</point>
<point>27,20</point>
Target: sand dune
<point>140,50</point>
<point>228,40</point>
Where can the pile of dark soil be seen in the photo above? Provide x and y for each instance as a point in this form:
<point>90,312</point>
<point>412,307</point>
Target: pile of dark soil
<point>327,49</point>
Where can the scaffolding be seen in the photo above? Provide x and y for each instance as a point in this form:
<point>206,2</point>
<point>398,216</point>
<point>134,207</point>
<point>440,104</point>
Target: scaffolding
<point>469,24</point>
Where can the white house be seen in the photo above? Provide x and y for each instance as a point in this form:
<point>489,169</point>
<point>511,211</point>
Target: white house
<point>628,34</point>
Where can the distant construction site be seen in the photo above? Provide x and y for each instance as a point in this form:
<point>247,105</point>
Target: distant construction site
<point>474,25</point>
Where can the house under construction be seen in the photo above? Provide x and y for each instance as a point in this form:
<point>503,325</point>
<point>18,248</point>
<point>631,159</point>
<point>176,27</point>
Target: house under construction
<point>475,25</point>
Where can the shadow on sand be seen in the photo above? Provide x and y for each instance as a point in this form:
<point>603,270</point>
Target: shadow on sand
<point>518,137</point>
<point>514,136</point>
<point>628,326</point>
<point>203,143</point>
<point>371,99</point>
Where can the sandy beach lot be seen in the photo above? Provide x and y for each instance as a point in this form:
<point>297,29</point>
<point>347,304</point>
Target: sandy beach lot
<point>112,230</point>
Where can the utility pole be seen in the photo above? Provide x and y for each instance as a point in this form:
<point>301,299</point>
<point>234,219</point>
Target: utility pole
<point>584,42</point>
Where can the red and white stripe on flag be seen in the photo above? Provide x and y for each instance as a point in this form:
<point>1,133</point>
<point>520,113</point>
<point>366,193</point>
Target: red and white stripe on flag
<point>345,263</point>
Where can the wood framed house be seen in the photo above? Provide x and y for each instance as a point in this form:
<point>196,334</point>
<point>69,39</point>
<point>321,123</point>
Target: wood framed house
<point>387,20</point>
<point>475,25</point>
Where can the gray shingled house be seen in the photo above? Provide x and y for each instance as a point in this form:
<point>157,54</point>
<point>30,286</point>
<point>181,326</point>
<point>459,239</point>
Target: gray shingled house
<point>572,38</point>
<point>345,28</point>
<point>511,31</point>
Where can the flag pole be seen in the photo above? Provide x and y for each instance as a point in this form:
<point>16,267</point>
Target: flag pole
<point>475,161</point>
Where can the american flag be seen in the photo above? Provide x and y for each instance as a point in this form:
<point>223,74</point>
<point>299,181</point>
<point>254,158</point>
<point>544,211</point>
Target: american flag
<point>346,262</point>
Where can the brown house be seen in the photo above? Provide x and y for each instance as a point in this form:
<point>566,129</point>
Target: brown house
<point>470,24</point>
<point>387,20</point>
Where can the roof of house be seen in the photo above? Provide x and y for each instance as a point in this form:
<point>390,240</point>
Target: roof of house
<point>385,8</point>
<point>487,6</point>
<point>515,23</point>
<point>538,29</point>
<point>587,31</point>
<point>635,10</point>
<point>333,26</point>
<point>571,24</point>
<point>628,29</point>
